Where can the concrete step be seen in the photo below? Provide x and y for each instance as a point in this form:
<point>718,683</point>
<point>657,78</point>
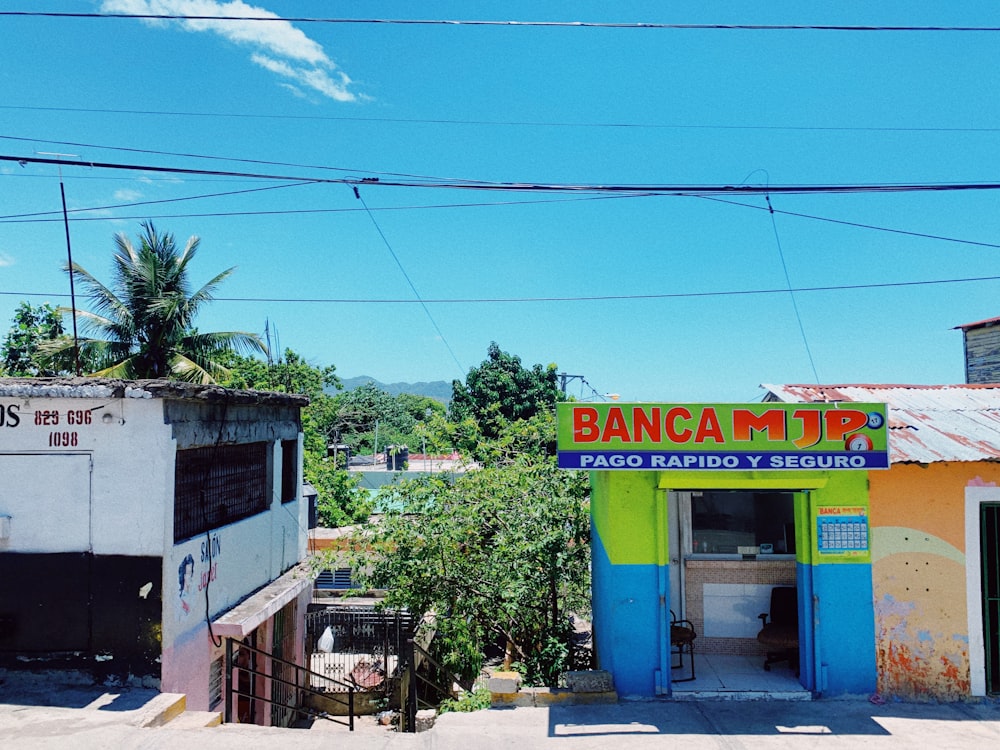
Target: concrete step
<point>162,709</point>
<point>195,720</point>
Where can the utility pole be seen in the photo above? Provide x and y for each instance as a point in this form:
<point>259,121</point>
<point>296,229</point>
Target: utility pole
<point>69,257</point>
<point>564,378</point>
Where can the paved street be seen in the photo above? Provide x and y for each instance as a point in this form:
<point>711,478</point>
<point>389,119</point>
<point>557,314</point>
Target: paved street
<point>111,721</point>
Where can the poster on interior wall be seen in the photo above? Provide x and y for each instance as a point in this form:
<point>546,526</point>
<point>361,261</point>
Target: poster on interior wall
<point>722,437</point>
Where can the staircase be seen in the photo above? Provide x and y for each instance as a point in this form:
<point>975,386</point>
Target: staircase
<point>170,709</point>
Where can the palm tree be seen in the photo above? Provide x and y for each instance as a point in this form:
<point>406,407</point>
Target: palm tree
<point>142,326</point>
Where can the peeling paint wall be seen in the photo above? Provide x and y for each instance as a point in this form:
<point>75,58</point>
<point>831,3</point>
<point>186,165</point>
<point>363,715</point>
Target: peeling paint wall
<point>919,579</point>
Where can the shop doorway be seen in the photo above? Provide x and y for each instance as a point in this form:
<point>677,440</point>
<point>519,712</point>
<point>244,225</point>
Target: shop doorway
<point>989,537</point>
<point>729,550</point>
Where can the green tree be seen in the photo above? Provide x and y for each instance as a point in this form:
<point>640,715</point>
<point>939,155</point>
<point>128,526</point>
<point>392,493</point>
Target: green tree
<point>30,328</point>
<point>501,391</point>
<point>367,408</point>
<point>500,554</point>
<point>142,326</point>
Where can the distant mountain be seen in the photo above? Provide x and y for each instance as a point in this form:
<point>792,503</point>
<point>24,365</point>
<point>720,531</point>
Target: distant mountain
<point>439,390</point>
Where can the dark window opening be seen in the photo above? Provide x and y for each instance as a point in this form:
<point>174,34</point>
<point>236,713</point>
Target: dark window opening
<point>219,485</point>
<point>289,470</point>
<point>728,522</point>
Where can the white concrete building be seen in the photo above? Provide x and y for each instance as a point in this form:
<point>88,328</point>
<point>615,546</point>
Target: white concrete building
<point>144,522</point>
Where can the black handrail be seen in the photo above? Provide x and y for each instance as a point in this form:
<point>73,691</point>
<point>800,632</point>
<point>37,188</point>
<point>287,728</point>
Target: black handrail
<point>298,684</point>
<point>410,678</point>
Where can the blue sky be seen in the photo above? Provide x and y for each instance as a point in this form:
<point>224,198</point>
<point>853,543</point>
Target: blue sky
<point>706,318</point>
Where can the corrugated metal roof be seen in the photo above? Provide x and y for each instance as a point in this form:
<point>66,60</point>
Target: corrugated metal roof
<point>977,324</point>
<point>927,423</point>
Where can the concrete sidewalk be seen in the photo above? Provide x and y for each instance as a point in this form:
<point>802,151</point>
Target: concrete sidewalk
<point>728,725</point>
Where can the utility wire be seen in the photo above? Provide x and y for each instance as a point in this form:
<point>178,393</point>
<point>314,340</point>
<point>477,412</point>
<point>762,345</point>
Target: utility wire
<point>29,217</point>
<point>502,123</point>
<point>859,225</point>
<point>791,291</point>
<point>663,189</point>
<point>509,23</point>
<point>264,162</point>
<point>150,203</point>
<point>591,298</point>
<point>440,333</point>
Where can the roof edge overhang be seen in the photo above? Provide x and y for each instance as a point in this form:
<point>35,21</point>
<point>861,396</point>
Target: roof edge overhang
<point>248,615</point>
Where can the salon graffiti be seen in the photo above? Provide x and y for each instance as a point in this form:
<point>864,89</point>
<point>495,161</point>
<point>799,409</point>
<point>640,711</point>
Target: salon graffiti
<point>210,551</point>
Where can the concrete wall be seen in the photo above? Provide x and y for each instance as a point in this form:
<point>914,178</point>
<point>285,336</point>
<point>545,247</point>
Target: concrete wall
<point>86,496</point>
<point>919,577</point>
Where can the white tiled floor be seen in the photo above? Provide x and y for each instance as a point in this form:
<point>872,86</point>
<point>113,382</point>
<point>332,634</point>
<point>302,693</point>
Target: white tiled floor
<point>737,677</point>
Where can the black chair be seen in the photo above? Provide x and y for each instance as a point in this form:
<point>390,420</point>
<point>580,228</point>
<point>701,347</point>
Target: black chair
<point>780,636</point>
<point>682,637</point>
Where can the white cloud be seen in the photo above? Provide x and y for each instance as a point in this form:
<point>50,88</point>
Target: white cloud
<point>127,195</point>
<point>289,52</point>
<point>5,260</point>
<point>334,87</point>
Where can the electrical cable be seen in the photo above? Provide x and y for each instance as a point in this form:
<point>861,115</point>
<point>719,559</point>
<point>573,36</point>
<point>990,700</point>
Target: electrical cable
<point>593,298</point>
<point>504,23</point>
<point>440,333</point>
<point>494,123</point>
<point>153,203</point>
<point>682,190</point>
<point>791,292</point>
<point>859,225</point>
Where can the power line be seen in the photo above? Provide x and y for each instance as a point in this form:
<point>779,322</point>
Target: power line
<point>591,298</point>
<point>181,154</point>
<point>413,288</point>
<point>791,292</point>
<point>859,225</point>
<point>505,123</point>
<point>31,217</point>
<point>507,23</point>
<point>662,189</point>
<point>226,194</point>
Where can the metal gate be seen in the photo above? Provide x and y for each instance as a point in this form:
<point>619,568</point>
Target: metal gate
<point>367,646</point>
<point>989,536</point>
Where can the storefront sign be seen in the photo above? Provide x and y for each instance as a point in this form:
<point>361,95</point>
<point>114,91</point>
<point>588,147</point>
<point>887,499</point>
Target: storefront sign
<point>754,437</point>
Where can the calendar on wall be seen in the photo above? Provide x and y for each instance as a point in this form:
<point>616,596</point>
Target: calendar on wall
<point>842,530</point>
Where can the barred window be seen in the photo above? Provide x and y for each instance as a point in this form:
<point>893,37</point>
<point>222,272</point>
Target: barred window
<point>289,470</point>
<point>218,485</point>
<point>215,682</point>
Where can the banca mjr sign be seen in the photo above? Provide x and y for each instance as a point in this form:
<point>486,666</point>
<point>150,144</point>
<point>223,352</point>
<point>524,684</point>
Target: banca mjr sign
<point>760,436</point>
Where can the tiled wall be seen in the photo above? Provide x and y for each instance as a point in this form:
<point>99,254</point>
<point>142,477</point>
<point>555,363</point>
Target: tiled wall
<point>752,574</point>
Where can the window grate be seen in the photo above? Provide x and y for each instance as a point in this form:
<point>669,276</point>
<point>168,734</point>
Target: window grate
<point>215,672</point>
<point>289,470</point>
<point>218,485</point>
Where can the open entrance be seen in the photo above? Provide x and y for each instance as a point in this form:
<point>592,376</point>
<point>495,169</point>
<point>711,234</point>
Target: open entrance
<point>989,525</point>
<point>733,572</point>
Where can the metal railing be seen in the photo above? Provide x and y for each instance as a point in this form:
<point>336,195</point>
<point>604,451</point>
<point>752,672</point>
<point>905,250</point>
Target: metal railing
<point>299,684</point>
<point>367,646</point>
<point>413,684</point>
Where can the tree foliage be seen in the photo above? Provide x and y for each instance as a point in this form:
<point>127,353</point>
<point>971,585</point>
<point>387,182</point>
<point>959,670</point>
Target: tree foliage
<point>398,420</point>
<point>500,554</point>
<point>30,328</point>
<point>501,391</point>
<point>142,325</point>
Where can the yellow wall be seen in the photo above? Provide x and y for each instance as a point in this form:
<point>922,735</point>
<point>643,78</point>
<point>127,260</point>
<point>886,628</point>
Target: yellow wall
<point>919,583</point>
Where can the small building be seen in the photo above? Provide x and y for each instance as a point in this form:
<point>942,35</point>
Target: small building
<point>886,530</point>
<point>982,351</point>
<point>145,523</point>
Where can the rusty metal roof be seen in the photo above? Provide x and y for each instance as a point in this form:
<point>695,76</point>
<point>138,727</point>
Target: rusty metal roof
<point>977,324</point>
<point>927,423</point>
